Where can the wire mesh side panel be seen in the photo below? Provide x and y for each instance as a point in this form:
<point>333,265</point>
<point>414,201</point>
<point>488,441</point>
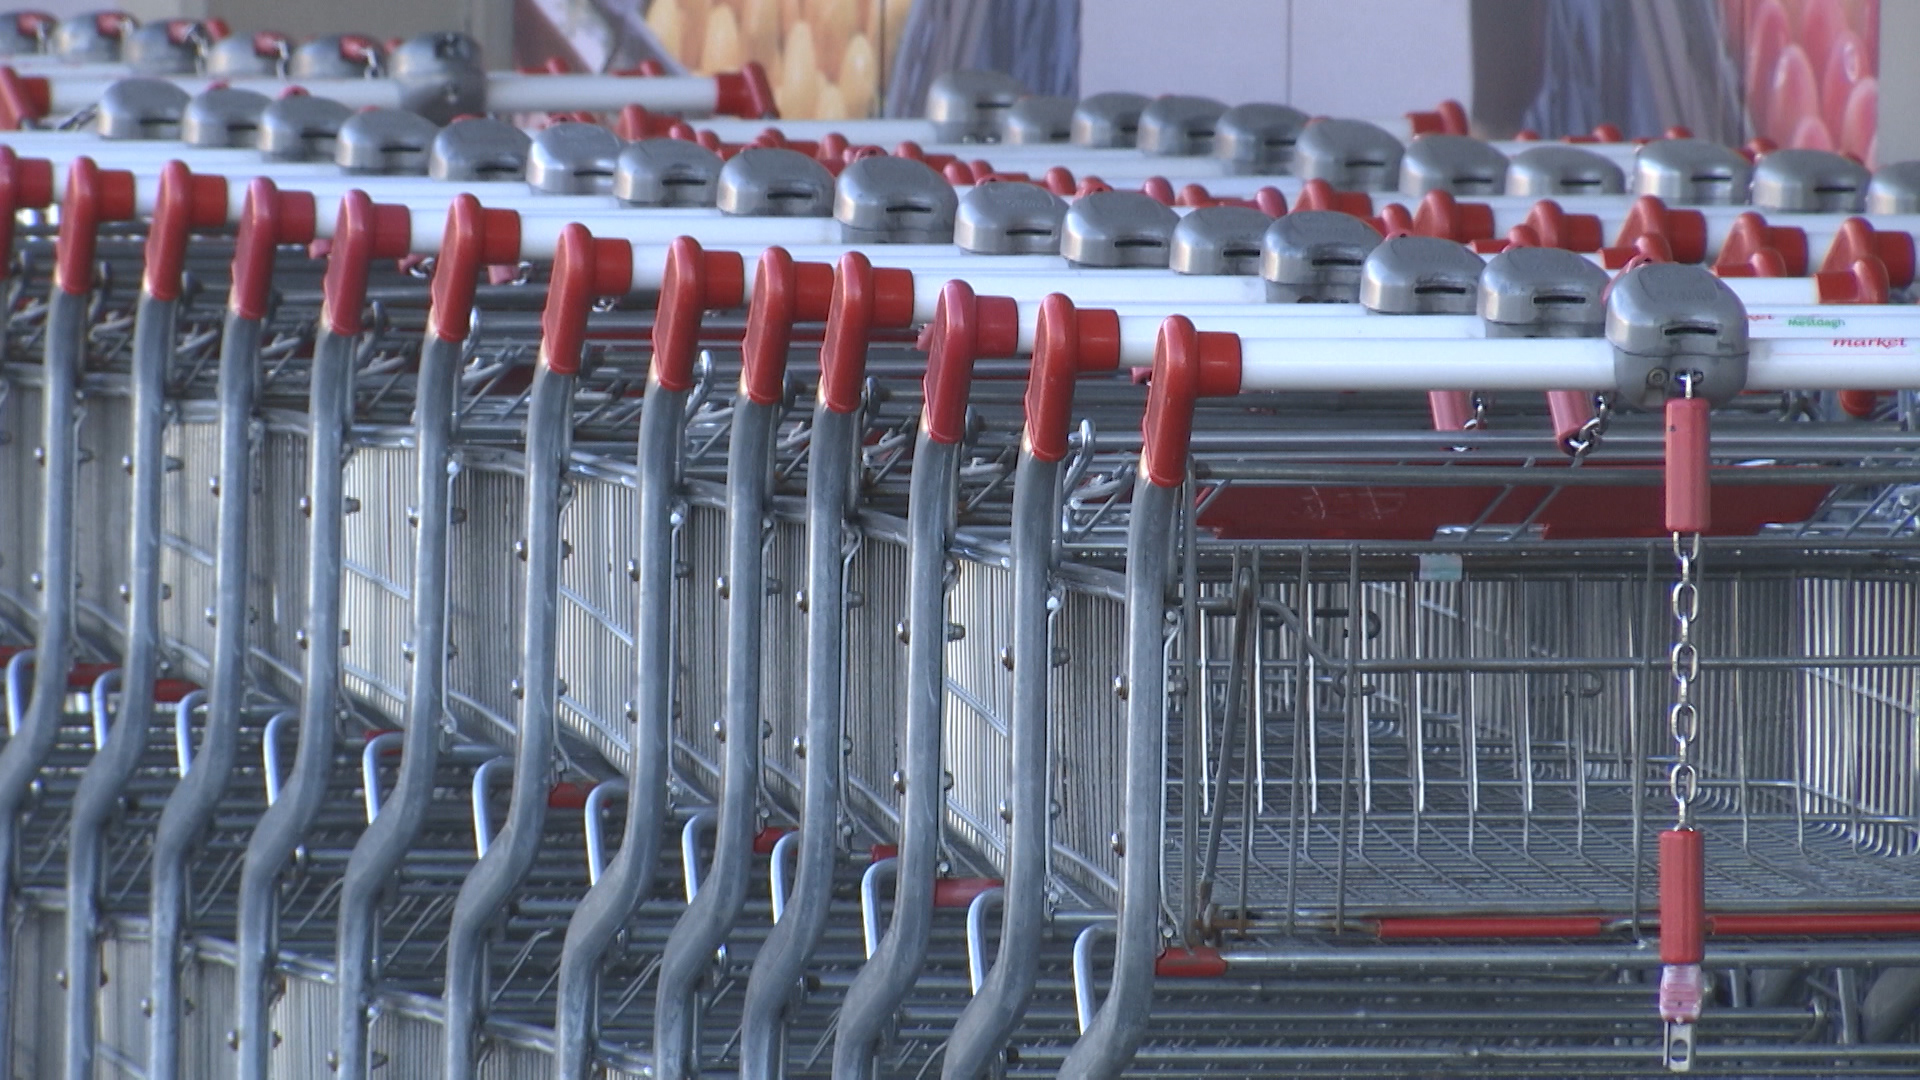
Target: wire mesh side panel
<point>700,645</point>
<point>1498,743</point>
<point>409,1045</point>
<point>20,487</point>
<point>102,522</point>
<point>486,605</point>
<point>875,672</point>
<point>978,707</point>
<point>38,1001</point>
<point>276,587</point>
<point>210,1007</point>
<point>504,1061</point>
<point>1087,730</point>
<point>1860,749</point>
<point>122,1045</point>
<point>302,1019</point>
<point>597,599</point>
<point>377,545</point>
<point>783,663</point>
<point>278,561</point>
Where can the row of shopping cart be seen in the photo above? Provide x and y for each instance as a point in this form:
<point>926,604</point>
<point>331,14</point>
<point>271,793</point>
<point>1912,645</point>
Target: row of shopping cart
<point>675,606</point>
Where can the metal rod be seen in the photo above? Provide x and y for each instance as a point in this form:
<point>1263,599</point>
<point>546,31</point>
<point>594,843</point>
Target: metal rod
<point>190,808</point>
<point>890,973</point>
<point>510,855</point>
<point>287,820</point>
<point>1107,1045</point>
<point>774,983</point>
<point>997,1006</point>
<point>611,901</point>
<point>392,832</point>
<point>711,915</point>
<point>106,775</point>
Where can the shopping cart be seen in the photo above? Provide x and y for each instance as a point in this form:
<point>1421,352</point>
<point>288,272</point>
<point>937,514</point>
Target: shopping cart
<point>1390,738</point>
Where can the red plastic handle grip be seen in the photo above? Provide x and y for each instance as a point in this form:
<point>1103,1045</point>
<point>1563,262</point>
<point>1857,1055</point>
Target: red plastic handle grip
<point>363,231</point>
<point>1751,235</point>
<point>1186,364</point>
<point>1685,231</point>
<point>25,184</point>
<point>584,268</point>
<point>183,203</point>
<point>475,237</point>
<point>1555,228</point>
<point>1857,240</point>
<point>1317,194</point>
<point>965,328</point>
<point>270,217</point>
<point>1440,214</point>
<point>94,196</point>
<point>695,282</point>
<point>864,298</point>
<point>747,94</point>
<point>22,99</point>
<point>1066,343</point>
<point>784,292</point>
<point>1689,488</point>
<point>1683,898</point>
<point>1865,282</point>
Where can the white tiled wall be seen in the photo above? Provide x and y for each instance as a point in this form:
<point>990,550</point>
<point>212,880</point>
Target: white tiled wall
<point>1375,58</point>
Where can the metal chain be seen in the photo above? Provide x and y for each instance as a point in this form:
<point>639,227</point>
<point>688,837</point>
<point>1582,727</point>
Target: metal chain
<point>1683,719</point>
<point>1587,439</point>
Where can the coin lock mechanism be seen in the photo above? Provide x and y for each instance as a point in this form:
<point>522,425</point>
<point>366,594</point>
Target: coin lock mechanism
<point>890,200</point>
<point>1315,257</point>
<point>666,172</point>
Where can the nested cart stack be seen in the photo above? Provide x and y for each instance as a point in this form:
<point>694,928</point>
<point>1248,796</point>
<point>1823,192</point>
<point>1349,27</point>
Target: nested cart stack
<point>675,596</point>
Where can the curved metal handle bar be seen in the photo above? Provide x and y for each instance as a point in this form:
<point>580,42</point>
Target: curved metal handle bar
<point>270,754</point>
<point>596,829</point>
<point>183,729</point>
<point>103,687</point>
<point>870,885</point>
<point>17,668</point>
<point>482,820</point>
<point>370,768</point>
<point>977,936</point>
<point>703,822</point>
<point>786,853</point>
<point>1083,1003</point>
